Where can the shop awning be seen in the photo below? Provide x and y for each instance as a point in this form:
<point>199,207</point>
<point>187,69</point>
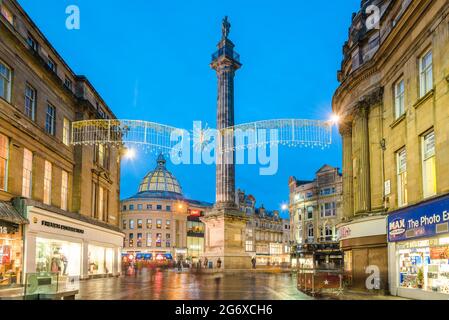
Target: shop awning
<point>9,214</point>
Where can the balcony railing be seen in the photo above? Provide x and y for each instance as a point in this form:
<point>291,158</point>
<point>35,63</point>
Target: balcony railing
<point>228,52</point>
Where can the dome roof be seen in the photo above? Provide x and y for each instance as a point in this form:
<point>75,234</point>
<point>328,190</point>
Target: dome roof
<point>160,180</point>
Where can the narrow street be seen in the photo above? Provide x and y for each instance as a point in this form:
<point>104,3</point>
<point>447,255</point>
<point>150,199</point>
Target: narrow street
<point>171,285</point>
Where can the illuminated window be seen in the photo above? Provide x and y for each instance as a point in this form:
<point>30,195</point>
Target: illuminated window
<point>425,74</point>
<point>401,157</point>
<point>131,240</point>
<point>149,240</point>
<point>4,157</point>
<point>124,224</point>
<point>47,182</point>
<point>139,240</point>
<point>399,106</point>
<point>139,224</point>
<point>131,224</point>
<point>167,224</point>
<point>66,132</point>
<point>5,82</point>
<point>159,224</point>
<point>428,165</point>
<point>159,240</point>
<point>149,224</point>
<point>27,173</point>
<point>7,14</point>
<point>249,246</point>
<point>30,101</point>
<point>64,190</point>
<point>101,207</point>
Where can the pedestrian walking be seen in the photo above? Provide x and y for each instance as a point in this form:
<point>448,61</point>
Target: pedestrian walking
<point>219,263</point>
<point>206,262</point>
<point>253,261</point>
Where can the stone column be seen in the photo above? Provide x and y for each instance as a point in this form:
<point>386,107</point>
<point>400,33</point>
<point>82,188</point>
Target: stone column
<point>363,192</point>
<point>348,176</point>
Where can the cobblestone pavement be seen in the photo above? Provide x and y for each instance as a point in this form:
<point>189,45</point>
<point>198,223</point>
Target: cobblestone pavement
<point>171,285</point>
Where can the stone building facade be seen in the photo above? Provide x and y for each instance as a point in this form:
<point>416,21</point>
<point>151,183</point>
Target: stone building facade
<point>315,209</point>
<point>68,196</point>
<point>159,223</point>
<point>392,99</point>
<point>265,233</point>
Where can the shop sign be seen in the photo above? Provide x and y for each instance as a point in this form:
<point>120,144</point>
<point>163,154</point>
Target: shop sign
<point>439,253</point>
<point>61,227</point>
<point>424,220</point>
<point>7,228</point>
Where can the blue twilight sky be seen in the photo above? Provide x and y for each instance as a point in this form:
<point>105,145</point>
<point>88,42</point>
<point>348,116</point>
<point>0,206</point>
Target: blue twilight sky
<point>149,59</point>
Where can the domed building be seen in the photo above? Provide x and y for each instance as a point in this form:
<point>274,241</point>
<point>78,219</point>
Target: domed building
<point>159,222</point>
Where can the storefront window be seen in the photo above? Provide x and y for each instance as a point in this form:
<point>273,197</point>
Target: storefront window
<point>195,246</point>
<point>424,264</point>
<point>101,260</point>
<point>58,256</point>
<point>10,256</point>
<point>195,227</point>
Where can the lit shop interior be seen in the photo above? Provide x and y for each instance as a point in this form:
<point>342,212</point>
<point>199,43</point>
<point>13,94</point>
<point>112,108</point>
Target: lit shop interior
<point>10,258</point>
<point>424,264</point>
<point>65,258</point>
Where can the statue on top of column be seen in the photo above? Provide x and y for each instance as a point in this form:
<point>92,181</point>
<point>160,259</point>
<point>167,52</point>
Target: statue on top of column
<point>225,28</point>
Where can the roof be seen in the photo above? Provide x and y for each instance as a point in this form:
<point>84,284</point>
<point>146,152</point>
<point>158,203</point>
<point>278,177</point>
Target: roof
<point>10,214</point>
<point>160,180</point>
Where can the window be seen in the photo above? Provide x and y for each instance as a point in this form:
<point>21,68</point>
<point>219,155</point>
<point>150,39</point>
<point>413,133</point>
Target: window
<point>149,224</point>
<point>131,240</point>
<point>167,240</point>
<point>131,207</point>
<point>124,208</point>
<point>328,209</point>
<point>124,224</point>
<point>52,64</point>
<point>101,154</point>
<point>401,157</point>
<point>94,199</point>
<point>5,82</point>
<point>4,157</point>
<point>159,224</point>
<point>158,207</point>
<point>167,224</point>
<point>249,246</point>
<point>149,207</point>
<point>64,190</point>
<point>68,83</point>
<point>30,101</point>
<point>399,94</point>
<point>139,240</point>
<point>47,182</point>
<point>425,74</point>
<point>100,203</point>
<point>310,231</point>
<point>66,132</point>
<point>428,165</point>
<point>7,14</point>
<point>139,224</point>
<point>50,120</point>
<point>149,240</point>
<point>309,213</point>
<point>131,224</point>
<point>27,173</point>
<point>32,43</point>
<point>159,240</point>
<point>139,207</point>
<point>168,208</point>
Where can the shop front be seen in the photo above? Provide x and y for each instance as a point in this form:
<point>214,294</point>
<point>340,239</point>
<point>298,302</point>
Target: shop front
<point>73,248</point>
<point>363,243</point>
<point>418,250</point>
<point>11,246</point>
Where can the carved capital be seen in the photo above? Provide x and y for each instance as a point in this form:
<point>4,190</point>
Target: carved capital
<point>345,128</point>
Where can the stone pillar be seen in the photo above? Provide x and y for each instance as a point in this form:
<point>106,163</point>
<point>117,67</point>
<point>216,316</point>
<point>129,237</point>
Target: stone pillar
<point>348,176</point>
<point>363,192</point>
<point>85,260</point>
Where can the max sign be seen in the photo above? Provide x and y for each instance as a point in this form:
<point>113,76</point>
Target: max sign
<point>424,220</point>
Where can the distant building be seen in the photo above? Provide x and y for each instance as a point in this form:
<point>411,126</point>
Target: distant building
<point>265,233</point>
<point>159,222</point>
<point>315,211</point>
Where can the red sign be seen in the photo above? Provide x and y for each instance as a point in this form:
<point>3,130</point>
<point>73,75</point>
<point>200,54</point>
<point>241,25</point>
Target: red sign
<point>6,254</point>
<point>437,253</point>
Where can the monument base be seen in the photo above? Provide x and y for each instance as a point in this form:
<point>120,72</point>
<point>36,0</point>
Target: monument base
<point>225,239</point>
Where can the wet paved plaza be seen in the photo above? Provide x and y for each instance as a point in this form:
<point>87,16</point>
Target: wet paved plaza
<point>171,285</point>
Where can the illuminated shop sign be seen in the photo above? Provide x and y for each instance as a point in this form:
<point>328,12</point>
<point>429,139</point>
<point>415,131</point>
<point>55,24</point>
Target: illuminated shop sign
<point>424,220</point>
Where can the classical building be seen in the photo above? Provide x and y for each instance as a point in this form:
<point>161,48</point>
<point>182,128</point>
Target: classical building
<point>315,210</point>
<point>265,233</point>
<point>59,203</point>
<point>159,222</point>
<point>393,98</point>
<point>225,224</point>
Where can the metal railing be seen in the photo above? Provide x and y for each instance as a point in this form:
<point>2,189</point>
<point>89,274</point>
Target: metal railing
<point>229,52</point>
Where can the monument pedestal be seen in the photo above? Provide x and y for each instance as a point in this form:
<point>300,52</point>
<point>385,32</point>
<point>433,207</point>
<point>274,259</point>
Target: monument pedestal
<point>225,239</point>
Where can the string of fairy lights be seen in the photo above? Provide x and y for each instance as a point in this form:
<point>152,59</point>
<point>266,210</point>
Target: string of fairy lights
<point>157,138</point>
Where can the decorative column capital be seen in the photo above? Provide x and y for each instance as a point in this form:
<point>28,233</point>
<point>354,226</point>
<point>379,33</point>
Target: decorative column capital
<point>345,128</point>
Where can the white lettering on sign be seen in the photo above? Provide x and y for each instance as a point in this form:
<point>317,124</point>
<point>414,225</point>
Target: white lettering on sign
<point>3,230</point>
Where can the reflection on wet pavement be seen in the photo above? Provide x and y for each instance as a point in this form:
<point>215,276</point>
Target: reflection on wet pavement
<point>171,285</point>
